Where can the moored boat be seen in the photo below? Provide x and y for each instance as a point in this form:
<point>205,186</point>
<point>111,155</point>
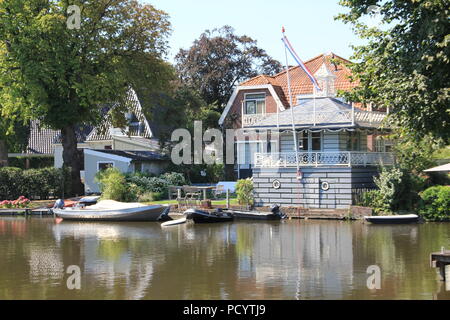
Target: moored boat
<point>398,219</point>
<point>199,216</point>
<point>274,214</point>
<point>109,210</point>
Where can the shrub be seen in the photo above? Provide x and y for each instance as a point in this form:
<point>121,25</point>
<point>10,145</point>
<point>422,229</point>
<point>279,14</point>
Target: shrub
<point>174,178</point>
<point>244,191</point>
<point>398,190</point>
<point>34,183</point>
<point>151,196</point>
<point>10,183</point>
<point>149,184</point>
<point>113,185</point>
<point>435,203</point>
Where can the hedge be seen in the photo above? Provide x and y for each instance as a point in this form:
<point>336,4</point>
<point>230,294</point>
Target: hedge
<point>33,183</point>
<point>435,204</point>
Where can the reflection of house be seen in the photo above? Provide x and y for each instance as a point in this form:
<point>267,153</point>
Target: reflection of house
<point>337,144</point>
<point>139,138</point>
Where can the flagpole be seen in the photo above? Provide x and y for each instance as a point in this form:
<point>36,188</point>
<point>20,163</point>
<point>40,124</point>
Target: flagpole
<point>294,133</point>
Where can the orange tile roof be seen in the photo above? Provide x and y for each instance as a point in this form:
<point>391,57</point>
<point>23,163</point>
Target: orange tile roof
<point>300,83</point>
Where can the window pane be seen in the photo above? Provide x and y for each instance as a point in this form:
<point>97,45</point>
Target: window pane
<point>105,165</point>
<point>261,107</point>
<point>305,141</point>
<point>250,107</point>
<point>316,143</point>
<point>255,96</point>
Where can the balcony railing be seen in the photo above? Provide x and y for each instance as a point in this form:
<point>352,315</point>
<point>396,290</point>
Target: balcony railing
<point>249,120</point>
<point>320,118</point>
<point>317,159</point>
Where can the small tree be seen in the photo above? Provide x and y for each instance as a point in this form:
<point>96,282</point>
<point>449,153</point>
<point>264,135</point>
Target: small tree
<point>244,191</point>
<point>113,185</point>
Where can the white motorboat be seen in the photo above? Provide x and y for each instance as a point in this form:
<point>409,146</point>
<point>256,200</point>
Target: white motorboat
<point>109,210</point>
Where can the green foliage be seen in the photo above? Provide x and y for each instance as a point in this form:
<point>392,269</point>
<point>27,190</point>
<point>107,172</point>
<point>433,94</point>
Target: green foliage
<point>404,63</point>
<point>65,77</point>
<point>244,191</point>
<point>436,203</point>
<point>193,173</point>
<point>397,190</point>
<point>149,184</point>
<point>114,187</point>
<point>174,178</point>
<point>416,155</point>
<point>33,183</point>
<point>442,154</point>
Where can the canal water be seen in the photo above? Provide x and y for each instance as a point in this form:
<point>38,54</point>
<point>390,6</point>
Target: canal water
<point>241,260</point>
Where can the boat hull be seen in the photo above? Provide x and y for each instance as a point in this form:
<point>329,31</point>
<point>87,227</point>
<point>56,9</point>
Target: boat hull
<point>256,215</point>
<point>148,213</point>
<point>406,219</point>
<point>199,216</point>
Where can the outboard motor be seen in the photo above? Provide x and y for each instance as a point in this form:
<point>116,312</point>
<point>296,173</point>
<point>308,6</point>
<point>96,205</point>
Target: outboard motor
<point>275,209</point>
<point>59,204</point>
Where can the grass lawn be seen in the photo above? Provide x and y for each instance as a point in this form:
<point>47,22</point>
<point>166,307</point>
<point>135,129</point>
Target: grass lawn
<point>213,202</point>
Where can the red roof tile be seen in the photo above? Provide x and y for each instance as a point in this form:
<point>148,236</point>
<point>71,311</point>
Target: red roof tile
<point>300,83</point>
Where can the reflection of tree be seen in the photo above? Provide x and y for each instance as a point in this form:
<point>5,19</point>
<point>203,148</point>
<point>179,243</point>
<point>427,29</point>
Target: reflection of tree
<point>112,250</point>
<point>402,252</point>
<point>245,241</point>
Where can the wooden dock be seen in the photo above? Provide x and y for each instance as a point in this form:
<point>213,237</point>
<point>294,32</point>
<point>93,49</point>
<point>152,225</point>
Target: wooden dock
<point>26,212</point>
<point>441,260</point>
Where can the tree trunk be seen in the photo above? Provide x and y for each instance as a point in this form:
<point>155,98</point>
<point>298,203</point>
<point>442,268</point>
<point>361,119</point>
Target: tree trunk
<point>71,159</point>
<point>3,154</point>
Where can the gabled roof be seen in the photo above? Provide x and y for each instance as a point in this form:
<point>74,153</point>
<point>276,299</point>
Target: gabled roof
<point>102,131</point>
<point>300,83</point>
<point>41,140</point>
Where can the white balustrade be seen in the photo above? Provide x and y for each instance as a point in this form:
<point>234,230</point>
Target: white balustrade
<point>311,159</point>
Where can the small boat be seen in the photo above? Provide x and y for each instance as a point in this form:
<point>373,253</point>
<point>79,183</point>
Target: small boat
<point>199,216</point>
<point>109,210</point>
<point>274,214</point>
<point>174,222</point>
<point>398,219</point>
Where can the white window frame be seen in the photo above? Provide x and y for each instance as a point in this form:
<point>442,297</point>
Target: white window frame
<point>244,107</point>
<point>103,162</point>
<point>310,139</point>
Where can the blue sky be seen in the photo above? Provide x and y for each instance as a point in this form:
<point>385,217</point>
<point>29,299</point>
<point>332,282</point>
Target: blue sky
<point>309,24</point>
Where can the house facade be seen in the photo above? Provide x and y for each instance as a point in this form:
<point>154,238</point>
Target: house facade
<point>134,148</point>
<point>320,153</point>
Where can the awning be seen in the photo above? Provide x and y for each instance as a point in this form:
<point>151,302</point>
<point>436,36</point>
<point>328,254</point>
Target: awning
<point>444,168</point>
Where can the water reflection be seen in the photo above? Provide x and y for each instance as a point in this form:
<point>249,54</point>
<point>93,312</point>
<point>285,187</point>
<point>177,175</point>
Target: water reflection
<point>288,260</point>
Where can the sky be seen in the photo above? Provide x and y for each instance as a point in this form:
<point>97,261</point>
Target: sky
<point>309,24</point>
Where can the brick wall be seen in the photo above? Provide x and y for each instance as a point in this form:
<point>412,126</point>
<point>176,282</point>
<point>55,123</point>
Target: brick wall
<point>236,108</point>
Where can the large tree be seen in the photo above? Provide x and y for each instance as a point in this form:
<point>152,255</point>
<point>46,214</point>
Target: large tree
<point>63,75</point>
<point>404,65</point>
<point>219,60</point>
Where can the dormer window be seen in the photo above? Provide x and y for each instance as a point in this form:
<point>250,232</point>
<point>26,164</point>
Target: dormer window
<point>255,103</point>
